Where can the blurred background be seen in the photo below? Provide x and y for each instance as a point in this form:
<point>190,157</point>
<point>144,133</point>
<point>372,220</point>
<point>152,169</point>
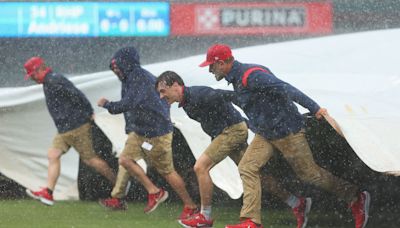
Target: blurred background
<point>77,37</point>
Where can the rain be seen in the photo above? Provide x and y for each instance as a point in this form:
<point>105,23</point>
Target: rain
<point>340,53</point>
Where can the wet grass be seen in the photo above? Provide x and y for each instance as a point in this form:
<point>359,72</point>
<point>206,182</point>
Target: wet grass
<point>75,214</point>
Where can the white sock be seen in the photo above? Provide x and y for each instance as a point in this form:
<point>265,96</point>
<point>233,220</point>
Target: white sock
<point>206,211</point>
<point>293,201</point>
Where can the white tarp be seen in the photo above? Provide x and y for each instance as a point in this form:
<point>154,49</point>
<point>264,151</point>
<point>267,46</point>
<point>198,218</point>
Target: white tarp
<point>354,76</point>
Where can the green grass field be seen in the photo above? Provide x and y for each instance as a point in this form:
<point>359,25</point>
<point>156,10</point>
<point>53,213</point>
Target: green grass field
<point>29,213</point>
<point>75,214</point>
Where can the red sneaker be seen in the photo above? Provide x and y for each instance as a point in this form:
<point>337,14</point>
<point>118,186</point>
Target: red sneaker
<point>301,212</point>
<point>155,199</point>
<point>188,212</point>
<point>197,220</point>
<point>114,204</point>
<point>42,195</point>
<point>245,224</point>
<point>360,209</point>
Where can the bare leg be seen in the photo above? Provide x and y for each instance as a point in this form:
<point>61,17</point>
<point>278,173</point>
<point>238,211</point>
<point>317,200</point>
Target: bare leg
<point>135,170</point>
<point>202,169</point>
<point>178,185</point>
<point>53,170</point>
<point>101,167</point>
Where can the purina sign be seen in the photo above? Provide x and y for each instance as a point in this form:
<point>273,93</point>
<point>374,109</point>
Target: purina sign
<point>251,18</point>
<point>261,17</point>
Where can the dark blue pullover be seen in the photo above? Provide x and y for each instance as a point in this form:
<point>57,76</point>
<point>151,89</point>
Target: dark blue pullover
<point>67,105</point>
<point>211,108</point>
<point>269,102</point>
<point>144,112</point>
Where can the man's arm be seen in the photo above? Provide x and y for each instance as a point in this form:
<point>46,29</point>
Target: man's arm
<point>215,95</point>
<point>302,99</point>
<point>229,95</point>
<point>261,81</point>
<point>128,101</point>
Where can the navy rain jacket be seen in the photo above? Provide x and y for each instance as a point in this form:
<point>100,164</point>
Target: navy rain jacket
<point>269,102</point>
<point>144,112</point>
<point>211,108</point>
<point>67,105</point>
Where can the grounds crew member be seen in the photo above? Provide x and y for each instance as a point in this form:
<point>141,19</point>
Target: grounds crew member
<point>273,116</point>
<point>149,128</point>
<point>73,115</point>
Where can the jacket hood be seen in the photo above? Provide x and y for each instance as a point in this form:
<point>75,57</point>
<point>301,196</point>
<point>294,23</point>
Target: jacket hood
<point>126,59</point>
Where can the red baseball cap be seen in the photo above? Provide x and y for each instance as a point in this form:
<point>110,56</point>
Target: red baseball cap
<point>217,52</point>
<point>32,65</point>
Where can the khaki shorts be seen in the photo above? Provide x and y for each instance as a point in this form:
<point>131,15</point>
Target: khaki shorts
<point>156,151</point>
<point>231,142</point>
<point>79,138</point>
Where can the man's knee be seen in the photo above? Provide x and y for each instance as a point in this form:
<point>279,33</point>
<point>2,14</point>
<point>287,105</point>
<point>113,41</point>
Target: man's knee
<point>199,168</point>
<point>124,161</point>
<point>54,154</point>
